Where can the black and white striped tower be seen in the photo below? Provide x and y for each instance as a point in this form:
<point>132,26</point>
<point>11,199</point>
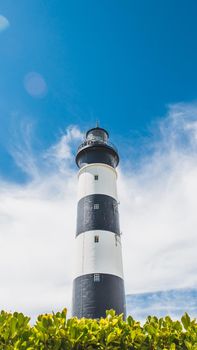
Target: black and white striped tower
<point>98,285</point>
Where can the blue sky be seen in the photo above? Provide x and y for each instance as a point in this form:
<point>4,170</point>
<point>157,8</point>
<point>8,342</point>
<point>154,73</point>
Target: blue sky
<point>63,65</point>
<point>121,62</point>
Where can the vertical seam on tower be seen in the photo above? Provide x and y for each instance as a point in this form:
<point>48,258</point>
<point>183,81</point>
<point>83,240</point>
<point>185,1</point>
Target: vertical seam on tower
<point>83,273</point>
<point>83,254</point>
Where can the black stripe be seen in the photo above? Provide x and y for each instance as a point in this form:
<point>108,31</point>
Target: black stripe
<point>91,299</point>
<point>97,154</point>
<point>105,218</point>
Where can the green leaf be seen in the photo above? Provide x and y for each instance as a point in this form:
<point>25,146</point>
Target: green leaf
<point>188,345</point>
<point>110,313</point>
<point>64,312</point>
<point>13,327</point>
<point>185,320</point>
<point>130,321</point>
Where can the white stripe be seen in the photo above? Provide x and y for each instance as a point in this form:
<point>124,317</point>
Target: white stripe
<point>106,183</point>
<point>102,257</point>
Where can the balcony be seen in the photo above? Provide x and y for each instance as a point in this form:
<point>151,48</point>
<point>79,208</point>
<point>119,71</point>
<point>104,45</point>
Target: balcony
<point>97,142</point>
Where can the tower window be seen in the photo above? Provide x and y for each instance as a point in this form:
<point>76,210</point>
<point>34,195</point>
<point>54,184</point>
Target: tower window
<point>115,207</point>
<point>96,206</point>
<point>96,277</point>
<point>96,239</point>
<point>95,177</point>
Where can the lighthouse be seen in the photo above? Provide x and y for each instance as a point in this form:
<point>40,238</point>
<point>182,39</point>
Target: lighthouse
<point>98,284</point>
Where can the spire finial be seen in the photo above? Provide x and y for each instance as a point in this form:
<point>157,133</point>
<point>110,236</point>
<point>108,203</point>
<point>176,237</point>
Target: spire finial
<point>97,124</point>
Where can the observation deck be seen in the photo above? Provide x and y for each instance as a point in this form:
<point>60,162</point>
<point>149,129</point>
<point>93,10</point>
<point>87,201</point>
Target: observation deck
<point>97,148</point>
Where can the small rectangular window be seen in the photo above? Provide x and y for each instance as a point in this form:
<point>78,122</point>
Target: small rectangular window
<point>115,207</point>
<point>96,277</point>
<point>96,239</point>
<point>96,206</point>
<point>95,177</point>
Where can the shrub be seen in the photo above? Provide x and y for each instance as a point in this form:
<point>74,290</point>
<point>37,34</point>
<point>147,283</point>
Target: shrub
<point>56,332</point>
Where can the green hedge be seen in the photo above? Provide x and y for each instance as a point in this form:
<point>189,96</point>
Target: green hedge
<point>55,331</point>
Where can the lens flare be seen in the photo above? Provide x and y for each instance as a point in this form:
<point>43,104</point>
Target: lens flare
<point>35,85</point>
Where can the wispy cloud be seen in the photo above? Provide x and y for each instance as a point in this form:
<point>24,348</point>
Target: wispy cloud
<point>158,207</point>
<point>21,149</point>
<point>37,225</point>
<point>158,217</point>
<point>4,23</point>
<point>172,302</point>
<point>62,153</point>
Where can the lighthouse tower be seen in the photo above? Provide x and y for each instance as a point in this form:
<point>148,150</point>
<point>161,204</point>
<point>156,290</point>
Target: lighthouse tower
<point>98,285</point>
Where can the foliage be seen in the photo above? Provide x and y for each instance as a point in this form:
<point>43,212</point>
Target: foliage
<point>56,332</point>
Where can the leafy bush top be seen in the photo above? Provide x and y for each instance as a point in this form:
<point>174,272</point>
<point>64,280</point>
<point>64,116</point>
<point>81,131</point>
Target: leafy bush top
<point>56,332</point>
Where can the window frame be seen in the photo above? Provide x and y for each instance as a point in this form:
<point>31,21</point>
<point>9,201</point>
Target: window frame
<point>97,278</point>
<point>96,239</point>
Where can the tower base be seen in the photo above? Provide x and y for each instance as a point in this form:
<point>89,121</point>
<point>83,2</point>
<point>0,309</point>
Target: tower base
<point>93,294</point>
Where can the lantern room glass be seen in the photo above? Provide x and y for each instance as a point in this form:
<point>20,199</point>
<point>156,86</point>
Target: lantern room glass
<point>97,135</point>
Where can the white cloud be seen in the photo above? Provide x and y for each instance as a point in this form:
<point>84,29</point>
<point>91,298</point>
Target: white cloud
<point>4,23</point>
<point>37,225</point>
<point>158,208</point>
<point>158,218</point>
<point>22,152</point>
<point>61,153</point>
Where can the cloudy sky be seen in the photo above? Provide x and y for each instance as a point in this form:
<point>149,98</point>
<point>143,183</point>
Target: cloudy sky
<point>132,66</point>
